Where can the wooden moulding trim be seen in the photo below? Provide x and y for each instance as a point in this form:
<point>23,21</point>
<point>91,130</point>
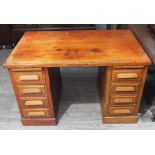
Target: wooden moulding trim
<point>106,92</point>
<point>48,80</point>
<point>141,87</point>
<point>127,67</point>
<point>26,69</point>
<point>120,119</point>
<point>83,64</point>
<point>15,90</point>
<point>39,121</point>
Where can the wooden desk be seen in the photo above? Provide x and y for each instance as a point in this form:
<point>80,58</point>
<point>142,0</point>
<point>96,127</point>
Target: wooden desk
<point>34,69</point>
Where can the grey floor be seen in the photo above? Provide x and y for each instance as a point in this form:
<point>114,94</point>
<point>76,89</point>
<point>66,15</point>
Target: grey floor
<point>79,106</point>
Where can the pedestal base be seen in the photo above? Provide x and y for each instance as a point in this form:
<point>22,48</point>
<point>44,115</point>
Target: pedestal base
<point>120,120</point>
<point>38,122</point>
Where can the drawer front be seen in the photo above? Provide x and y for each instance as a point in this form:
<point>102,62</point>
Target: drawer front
<point>32,90</point>
<point>125,88</point>
<point>33,101</point>
<point>123,100</point>
<point>121,111</point>
<point>126,74</point>
<point>36,112</point>
<point>29,77</point>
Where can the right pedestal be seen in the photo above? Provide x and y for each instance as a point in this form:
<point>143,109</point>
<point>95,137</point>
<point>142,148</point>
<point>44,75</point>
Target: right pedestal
<point>120,90</point>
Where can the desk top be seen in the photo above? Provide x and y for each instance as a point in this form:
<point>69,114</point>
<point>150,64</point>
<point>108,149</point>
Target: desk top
<point>146,39</point>
<point>77,48</point>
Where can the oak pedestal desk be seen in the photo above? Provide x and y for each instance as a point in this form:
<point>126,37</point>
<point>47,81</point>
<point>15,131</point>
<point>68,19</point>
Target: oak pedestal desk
<point>34,69</point>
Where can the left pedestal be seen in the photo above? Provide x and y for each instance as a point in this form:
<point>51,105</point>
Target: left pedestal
<point>37,92</point>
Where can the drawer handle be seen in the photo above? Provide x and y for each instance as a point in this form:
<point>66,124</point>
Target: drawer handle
<point>28,77</point>
<point>36,113</point>
<point>31,90</point>
<point>34,102</point>
<point>118,111</point>
<point>123,100</point>
<point>125,88</point>
<point>127,75</point>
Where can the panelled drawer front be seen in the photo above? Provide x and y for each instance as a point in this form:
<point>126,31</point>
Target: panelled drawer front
<point>33,101</point>
<point>34,90</point>
<point>29,77</point>
<point>125,87</point>
<point>126,74</point>
<point>121,111</point>
<point>123,100</point>
<point>36,112</point>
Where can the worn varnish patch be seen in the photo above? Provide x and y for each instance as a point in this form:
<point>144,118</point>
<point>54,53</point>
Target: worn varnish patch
<point>77,48</point>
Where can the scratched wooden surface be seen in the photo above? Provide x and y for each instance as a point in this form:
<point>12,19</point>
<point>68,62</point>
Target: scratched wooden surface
<point>77,48</point>
<point>79,106</point>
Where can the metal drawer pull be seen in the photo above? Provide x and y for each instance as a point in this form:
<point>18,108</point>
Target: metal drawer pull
<point>125,89</point>
<point>125,111</point>
<point>31,90</point>
<point>34,102</point>
<point>127,75</point>
<point>28,77</point>
<point>124,100</point>
<point>36,113</point>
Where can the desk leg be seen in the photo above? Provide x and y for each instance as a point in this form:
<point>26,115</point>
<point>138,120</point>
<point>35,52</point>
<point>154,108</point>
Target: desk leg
<point>120,91</point>
<point>37,92</point>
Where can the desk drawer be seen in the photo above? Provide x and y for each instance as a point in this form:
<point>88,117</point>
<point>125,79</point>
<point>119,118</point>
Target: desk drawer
<point>32,90</point>
<point>29,77</point>
<point>36,112</point>
<point>121,111</point>
<point>123,100</point>
<point>33,101</point>
<point>126,74</point>
<point>125,87</point>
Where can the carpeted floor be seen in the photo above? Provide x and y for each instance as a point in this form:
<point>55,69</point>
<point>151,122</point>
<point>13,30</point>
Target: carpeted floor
<point>79,106</point>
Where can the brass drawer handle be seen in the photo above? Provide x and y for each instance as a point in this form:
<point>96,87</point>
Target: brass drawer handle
<point>34,102</point>
<point>126,75</point>
<point>123,100</point>
<point>118,111</point>
<point>31,90</point>
<point>125,89</point>
<point>36,113</point>
<point>28,77</point>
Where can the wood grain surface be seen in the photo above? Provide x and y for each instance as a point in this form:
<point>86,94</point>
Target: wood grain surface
<point>77,48</point>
